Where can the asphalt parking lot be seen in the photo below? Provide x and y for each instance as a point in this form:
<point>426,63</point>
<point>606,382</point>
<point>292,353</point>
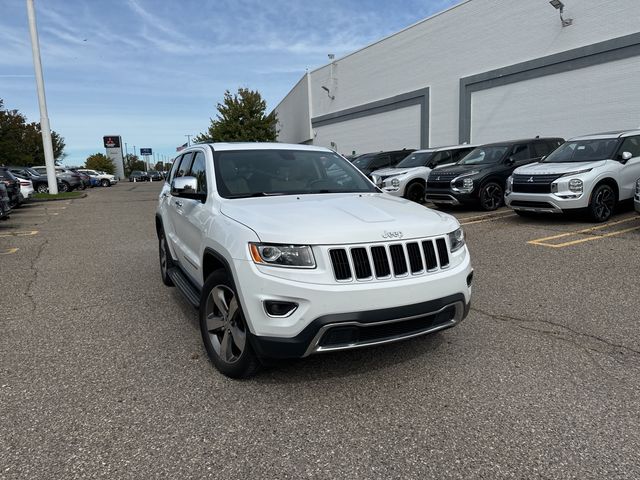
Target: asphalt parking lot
<point>103,372</point>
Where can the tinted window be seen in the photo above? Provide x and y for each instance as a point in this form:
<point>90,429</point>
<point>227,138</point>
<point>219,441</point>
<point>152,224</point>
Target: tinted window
<point>399,156</point>
<point>632,145</point>
<point>440,158</point>
<point>416,159</point>
<point>381,161</point>
<point>520,152</point>
<point>488,154</point>
<point>198,171</point>
<point>174,168</point>
<point>540,149</point>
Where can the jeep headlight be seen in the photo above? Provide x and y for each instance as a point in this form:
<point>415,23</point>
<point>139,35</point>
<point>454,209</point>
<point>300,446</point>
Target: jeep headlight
<point>395,183</point>
<point>509,185</point>
<point>456,240</point>
<point>575,185</point>
<point>294,256</point>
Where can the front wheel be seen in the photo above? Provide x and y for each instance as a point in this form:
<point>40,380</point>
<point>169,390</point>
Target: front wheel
<point>602,203</point>
<point>491,196</point>
<point>105,183</point>
<point>43,188</point>
<point>65,187</point>
<point>166,262</point>
<point>224,329</point>
<point>415,192</point>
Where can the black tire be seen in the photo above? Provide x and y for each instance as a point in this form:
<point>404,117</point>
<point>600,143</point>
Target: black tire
<point>415,192</point>
<point>602,203</point>
<point>224,330</point>
<point>491,196</point>
<point>42,188</point>
<point>105,182</point>
<point>166,262</point>
<point>65,187</point>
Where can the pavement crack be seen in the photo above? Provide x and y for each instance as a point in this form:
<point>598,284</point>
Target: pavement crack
<point>567,330</point>
<point>34,275</point>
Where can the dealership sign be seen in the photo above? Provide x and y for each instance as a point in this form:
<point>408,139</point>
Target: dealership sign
<point>145,151</point>
<point>113,146</point>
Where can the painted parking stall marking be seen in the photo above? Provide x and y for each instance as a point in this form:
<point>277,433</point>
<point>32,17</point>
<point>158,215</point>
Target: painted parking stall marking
<point>19,233</point>
<point>589,234</point>
<point>487,217</point>
<point>8,251</point>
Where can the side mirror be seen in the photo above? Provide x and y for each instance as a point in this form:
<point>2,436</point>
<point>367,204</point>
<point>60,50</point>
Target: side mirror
<point>626,156</point>
<point>431,165</point>
<point>186,187</point>
<point>511,161</point>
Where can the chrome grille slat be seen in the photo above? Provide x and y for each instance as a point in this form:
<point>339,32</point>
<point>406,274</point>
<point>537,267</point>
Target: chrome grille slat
<point>399,259</point>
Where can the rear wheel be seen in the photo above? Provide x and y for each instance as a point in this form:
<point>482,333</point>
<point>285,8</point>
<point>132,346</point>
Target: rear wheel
<point>105,183</point>
<point>224,329</point>
<point>491,196</point>
<point>415,192</point>
<point>65,187</point>
<point>42,188</point>
<point>602,203</point>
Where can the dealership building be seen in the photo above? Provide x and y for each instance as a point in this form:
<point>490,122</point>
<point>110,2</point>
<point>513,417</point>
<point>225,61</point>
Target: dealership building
<point>481,71</point>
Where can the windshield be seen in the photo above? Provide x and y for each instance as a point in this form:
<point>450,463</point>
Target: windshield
<point>254,173</point>
<point>488,154</point>
<point>583,151</point>
<point>419,159</point>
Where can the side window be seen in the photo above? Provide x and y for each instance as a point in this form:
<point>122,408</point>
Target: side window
<point>174,169</point>
<point>199,171</point>
<point>185,165</point>
<point>441,158</point>
<point>397,157</point>
<point>520,152</point>
<point>460,153</point>
<point>381,161</point>
<point>540,149</point>
<point>632,145</point>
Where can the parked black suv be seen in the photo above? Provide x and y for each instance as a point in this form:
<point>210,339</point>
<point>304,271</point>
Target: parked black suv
<point>369,162</point>
<point>479,178</point>
<point>13,186</point>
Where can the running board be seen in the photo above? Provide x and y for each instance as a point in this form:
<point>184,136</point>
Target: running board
<point>183,284</point>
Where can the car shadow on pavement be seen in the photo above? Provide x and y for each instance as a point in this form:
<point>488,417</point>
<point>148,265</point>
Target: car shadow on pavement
<point>350,363</point>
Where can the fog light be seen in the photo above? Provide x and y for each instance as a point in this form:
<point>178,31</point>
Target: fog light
<point>469,279</point>
<point>395,183</point>
<point>467,183</point>
<point>279,309</point>
<point>554,188</point>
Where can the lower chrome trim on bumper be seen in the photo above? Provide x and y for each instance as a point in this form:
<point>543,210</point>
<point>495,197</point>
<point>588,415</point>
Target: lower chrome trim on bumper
<point>315,347</point>
<point>442,198</point>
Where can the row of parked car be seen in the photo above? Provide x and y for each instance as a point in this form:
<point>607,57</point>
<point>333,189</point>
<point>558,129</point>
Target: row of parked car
<point>18,184</point>
<point>150,176</point>
<point>592,173</point>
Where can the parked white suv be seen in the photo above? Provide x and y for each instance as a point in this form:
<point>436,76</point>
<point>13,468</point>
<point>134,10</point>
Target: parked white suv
<point>592,172</point>
<point>106,179</point>
<point>408,178</point>
<point>289,250</point>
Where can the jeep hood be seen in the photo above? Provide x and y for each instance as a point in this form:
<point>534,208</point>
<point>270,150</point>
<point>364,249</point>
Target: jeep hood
<point>556,168</point>
<point>330,219</point>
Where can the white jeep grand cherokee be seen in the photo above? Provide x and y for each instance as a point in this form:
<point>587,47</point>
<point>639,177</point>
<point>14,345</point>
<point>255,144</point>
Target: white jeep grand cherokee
<point>289,250</point>
<point>591,173</point>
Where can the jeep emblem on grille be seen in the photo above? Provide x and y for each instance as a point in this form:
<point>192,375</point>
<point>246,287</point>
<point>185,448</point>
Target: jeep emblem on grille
<point>397,235</point>
<point>530,180</point>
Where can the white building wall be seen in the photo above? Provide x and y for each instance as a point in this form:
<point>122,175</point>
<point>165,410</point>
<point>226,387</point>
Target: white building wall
<point>473,37</point>
<point>589,100</point>
<point>393,130</point>
<point>294,125</point>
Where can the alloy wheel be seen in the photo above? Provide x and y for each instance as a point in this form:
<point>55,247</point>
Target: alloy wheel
<point>603,203</point>
<point>225,325</point>
<point>491,196</point>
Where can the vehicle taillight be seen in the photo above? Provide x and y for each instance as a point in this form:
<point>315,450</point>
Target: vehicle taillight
<point>24,184</point>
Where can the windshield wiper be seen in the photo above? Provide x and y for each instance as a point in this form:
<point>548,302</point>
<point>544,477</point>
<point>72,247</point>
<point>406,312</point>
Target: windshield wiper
<point>256,194</point>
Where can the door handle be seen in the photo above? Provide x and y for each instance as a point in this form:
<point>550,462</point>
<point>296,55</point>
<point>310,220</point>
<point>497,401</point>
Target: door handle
<point>178,203</point>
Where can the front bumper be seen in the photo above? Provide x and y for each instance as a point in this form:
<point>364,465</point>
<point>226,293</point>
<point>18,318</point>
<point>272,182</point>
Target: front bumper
<point>450,197</point>
<point>368,313</point>
<point>544,202</point>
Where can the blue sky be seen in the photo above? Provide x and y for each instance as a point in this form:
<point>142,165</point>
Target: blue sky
<point>153,71</point>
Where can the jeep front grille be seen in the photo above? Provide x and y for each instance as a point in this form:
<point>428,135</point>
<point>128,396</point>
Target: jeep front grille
<point>393,260</point>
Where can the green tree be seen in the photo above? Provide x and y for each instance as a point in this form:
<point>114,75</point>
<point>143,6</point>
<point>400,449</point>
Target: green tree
<point>99,161</point>
<point>158,167</point>
<point>21,142</point>
<point>241,118</point>
<point>132,162</point>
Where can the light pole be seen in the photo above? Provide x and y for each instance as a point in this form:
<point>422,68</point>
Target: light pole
<point>42,101</point>
<point>188,140</point>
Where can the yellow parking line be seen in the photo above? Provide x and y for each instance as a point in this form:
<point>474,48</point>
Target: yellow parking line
<point>489,219</point>
<point>585,231</point>
<point>9,251</point>
<point>487,215</point>
<point>26,233</point>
